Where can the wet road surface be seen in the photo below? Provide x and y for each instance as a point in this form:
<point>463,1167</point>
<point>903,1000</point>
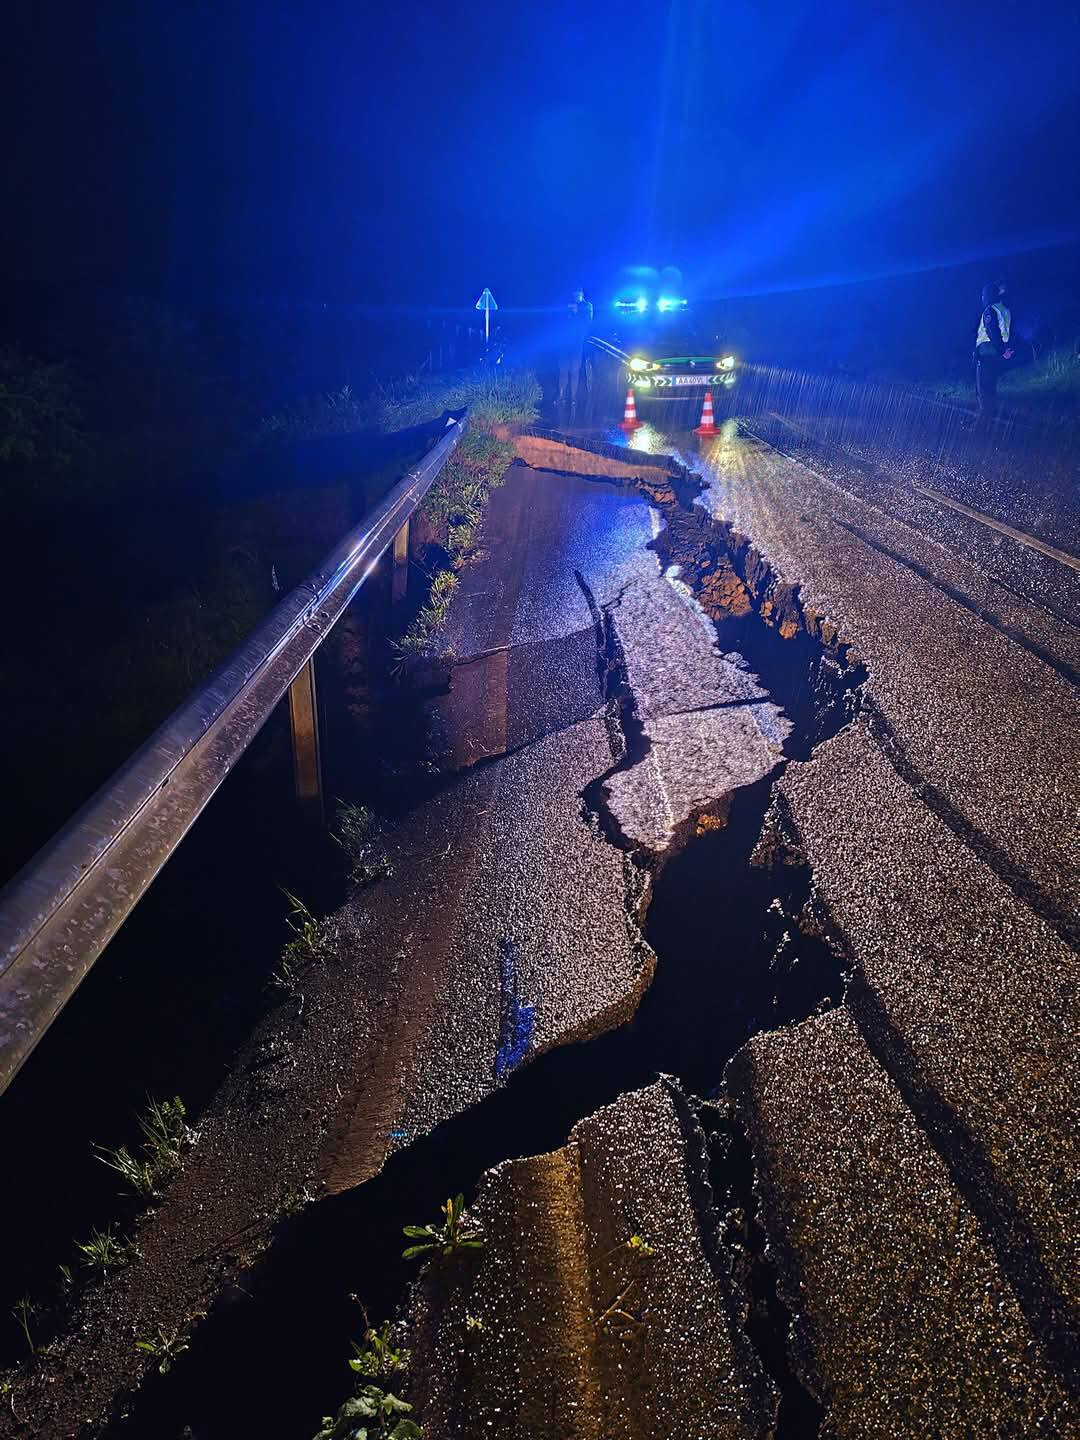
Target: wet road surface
<point>918,1147</point>
<point>914,1148</point>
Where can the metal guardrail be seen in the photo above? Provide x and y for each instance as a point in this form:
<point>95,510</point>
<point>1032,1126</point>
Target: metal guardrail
<point>58,914</point>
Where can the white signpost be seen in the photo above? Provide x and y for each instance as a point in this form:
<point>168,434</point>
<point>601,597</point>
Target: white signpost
<point>487,303</point>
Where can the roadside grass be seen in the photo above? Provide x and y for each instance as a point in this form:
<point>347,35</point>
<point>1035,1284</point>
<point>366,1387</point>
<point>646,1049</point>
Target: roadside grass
<point>407,401</point>
<point>493,399</point>
<point>1050,383</point>
<point>455,508</point>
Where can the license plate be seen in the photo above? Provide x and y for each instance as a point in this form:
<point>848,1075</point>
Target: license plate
<point>691,379</point>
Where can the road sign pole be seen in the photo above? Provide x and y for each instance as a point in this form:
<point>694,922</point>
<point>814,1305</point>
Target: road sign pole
<point>487,303</point>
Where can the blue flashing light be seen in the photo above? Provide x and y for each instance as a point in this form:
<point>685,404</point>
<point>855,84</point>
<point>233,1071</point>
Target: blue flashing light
<point>642,305</point>
<point>670,302</point>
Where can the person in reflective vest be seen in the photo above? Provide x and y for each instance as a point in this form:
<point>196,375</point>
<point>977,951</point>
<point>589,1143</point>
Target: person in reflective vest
<point>992,349</point>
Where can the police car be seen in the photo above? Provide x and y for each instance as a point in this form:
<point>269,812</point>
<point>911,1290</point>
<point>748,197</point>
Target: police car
<point>661,354</point>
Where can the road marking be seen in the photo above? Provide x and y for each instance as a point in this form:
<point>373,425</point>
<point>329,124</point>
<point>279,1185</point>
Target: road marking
<point>1020,536</point>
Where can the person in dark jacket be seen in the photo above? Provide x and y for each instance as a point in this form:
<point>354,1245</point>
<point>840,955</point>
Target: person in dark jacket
<point>577,327</point>
<point>992,349</point>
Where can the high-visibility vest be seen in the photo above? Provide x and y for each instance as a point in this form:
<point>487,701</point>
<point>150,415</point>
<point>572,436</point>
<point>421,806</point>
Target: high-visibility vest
<point>1004,320</point>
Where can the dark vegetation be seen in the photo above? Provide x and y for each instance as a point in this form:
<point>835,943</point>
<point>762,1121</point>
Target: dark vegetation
<point>158,495</point>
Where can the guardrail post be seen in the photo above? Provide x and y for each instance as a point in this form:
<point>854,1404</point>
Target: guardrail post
<point>304,725</point>
<point>399,581</point>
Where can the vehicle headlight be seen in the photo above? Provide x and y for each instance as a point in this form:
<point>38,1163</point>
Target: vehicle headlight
<point>640,363</point>
<point>727,362</point>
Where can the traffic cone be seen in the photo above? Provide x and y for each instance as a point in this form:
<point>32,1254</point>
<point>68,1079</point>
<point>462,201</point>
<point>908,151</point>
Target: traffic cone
<point>708,425</point>
<point>629,419</point>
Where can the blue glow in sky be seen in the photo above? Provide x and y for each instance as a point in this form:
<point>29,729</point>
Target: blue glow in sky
<point>394,155</point>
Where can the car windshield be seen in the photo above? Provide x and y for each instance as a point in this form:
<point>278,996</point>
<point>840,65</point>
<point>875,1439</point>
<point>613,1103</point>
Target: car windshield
<point>656,341</point>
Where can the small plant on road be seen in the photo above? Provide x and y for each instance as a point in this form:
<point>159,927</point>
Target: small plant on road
<point>103,1251</point>
<point>164,1348</point>
<point>25,1311</point>
<point>374,1414</point>
<point>356,830</point>
<point>626,1312</point>
<point>300,950</point>
<point>137,1174</point>
<point>377,1357</point>
<point>424,631</point>
<point>301,922</point>
<point>165,1135</point>
<point>456,1233</point>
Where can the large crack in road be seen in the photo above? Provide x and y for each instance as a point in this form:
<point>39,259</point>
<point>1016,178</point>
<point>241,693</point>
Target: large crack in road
<point>768,967</point>
<point>743,949</point>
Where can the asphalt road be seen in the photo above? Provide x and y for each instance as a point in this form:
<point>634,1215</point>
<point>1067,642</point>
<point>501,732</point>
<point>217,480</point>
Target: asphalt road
<point>918,1146</point>
<point>915,1147</point>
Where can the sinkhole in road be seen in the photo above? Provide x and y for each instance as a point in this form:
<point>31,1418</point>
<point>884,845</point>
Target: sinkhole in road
<point>732,960</point>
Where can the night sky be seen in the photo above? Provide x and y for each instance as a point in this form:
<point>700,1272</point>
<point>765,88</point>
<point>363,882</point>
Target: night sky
<point>410,154</point>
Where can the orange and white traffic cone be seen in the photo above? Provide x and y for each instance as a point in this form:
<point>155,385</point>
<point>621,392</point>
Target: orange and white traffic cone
<point>629,419</point>
<point>708,425</point>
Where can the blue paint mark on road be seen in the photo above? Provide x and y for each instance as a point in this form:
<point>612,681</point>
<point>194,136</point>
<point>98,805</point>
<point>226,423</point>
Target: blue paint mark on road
<point>516,1021</point>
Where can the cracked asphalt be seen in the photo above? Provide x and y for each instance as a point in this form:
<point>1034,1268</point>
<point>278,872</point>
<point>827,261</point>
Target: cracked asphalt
<point>539,1360</point>
<point>918,1148</point>
<point>915,1148</point>
<point>539,935</point>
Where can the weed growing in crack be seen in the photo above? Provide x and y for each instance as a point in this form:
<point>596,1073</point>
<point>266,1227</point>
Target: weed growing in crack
<point>301,922</point>
<point>165,1136</point>
<point>137,1174</point>
<point>25,1311</point>
<point>377,1357</point>
<point>356,829</point>
<point>298,952</point>
<point>103,1251</point>
<point>457,1232</point>
<point>285,975</point>
<point>374,1412</point>
<point>621,1315</point>
<point>164,1348</point>
<point>422,634</point>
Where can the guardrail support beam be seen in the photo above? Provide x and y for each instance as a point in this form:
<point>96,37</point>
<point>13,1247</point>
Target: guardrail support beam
<point>304,725</point>
<point>399,575</point>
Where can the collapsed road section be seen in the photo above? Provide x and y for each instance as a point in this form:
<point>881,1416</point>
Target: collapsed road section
<point>630,677</point>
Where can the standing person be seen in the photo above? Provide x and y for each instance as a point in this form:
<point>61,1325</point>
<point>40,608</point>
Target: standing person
<point>577,327</point>
<point>992,349</point>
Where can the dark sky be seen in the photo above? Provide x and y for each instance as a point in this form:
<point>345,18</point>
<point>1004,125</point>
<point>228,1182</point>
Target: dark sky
<point>411,153</point>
